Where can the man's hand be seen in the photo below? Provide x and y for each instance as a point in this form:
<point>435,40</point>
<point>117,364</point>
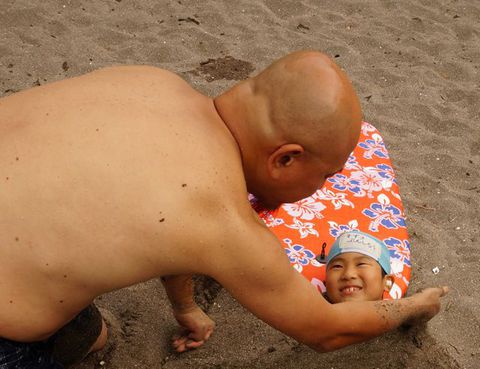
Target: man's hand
<point>196,328</point>
<point>429,302</point>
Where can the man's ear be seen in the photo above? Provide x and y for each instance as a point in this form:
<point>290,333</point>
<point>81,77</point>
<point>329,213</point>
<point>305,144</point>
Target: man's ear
<point>388,282</point>
<point>282,158</point>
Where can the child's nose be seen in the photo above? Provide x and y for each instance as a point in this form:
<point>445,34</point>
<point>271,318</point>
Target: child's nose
<point>349,272</point>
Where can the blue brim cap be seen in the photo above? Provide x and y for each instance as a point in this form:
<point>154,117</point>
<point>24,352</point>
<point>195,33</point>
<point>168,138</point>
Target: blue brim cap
<point>362,243</point>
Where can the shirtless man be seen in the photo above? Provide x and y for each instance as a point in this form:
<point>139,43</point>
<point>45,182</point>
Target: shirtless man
<point>127,174</point>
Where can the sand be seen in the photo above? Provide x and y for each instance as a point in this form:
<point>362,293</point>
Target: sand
<point>415,66</point>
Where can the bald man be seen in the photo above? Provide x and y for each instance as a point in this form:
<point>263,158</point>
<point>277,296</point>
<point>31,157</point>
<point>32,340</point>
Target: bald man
<point>127,174</point>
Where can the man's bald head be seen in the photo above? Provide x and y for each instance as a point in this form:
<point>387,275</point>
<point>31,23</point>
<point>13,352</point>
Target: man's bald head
<point>296,123</point>
<point>310,99</point>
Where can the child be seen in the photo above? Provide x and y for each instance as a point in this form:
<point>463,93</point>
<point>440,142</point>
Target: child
<point>358,268</point>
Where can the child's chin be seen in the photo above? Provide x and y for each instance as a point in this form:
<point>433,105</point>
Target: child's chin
<point>355,297</point>
<point>359,297</point>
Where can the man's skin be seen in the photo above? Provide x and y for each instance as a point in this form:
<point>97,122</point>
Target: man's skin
<point>127,174</point>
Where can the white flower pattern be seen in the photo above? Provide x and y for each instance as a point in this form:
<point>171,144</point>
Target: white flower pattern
<point>337,199</point>
<point>303,228</point>
<point>369,181</point>
<point>306,209</point>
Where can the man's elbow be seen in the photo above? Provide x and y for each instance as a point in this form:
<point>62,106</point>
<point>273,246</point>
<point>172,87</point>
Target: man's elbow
<point>321,348</point>
<point>325,345</point>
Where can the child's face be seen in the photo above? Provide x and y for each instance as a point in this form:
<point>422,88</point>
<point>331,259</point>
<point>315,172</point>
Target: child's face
<point>354,277</point>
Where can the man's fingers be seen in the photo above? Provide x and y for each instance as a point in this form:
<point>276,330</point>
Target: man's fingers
<point>203,334</point>
<point>180,345</point>
<point>187,345</point>
<point>184,343</point>
<point>194,344</point>
<point>178,340</point>
<point>194,337</point>
<point>445,290</point>
<point>180,348</point>
<point>209,333</point>
<point>177,343</point>
<point>442,290</point>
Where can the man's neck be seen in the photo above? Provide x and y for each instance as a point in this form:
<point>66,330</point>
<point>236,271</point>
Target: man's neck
<point>232,110</point>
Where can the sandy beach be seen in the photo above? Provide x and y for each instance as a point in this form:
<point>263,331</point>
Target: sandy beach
<point>415,65</point>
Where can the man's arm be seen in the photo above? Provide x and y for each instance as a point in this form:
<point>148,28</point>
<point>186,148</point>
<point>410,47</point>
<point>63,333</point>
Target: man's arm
<point>196,326</point>
<point>257,273</point>
<point>179,290</point>
<point>360,321</point>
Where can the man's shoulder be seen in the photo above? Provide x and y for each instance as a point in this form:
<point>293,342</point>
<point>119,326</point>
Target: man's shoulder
<point>135,69</point>
<point>138,74</point>
<point>138,80</point>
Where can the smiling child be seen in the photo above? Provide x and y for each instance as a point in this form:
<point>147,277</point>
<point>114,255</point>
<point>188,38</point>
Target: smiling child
<point>358,268</point>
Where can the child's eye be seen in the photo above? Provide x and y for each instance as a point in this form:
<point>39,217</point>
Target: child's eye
<point>362,264</point>
<point>336,266</point>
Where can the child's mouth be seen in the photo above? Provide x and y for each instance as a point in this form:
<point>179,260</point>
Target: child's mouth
<point>350,290</point>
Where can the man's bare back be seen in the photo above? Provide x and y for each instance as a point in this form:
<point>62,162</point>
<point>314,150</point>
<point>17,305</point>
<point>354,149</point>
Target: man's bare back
<point>127,174</point>
<point>109,179</point>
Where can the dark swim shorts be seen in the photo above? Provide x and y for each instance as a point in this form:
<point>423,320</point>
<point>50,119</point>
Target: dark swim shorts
<point>20,355</point>
<point>66,347</point>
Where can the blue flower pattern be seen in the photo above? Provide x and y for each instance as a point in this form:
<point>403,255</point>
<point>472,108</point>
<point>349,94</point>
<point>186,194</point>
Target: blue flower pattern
<point>386,171</point>
<point>297,254</point>
<point>399,249</point>
<point>374,147</point>
<point>341,182</point>
<point>386,215</point>
<point>336,230</point>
